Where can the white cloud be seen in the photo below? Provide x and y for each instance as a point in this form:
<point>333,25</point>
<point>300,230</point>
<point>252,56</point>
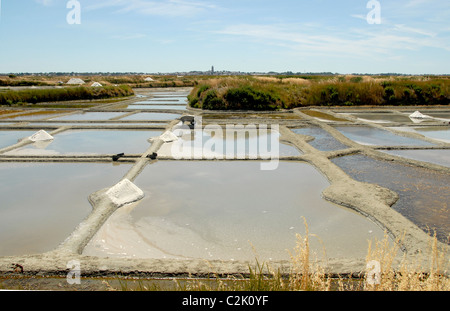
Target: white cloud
<point>423,32</point>
<point>364,43</point>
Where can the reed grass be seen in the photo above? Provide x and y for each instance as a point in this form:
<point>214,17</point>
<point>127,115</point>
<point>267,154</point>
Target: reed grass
<point>274,93</point>
<point>307,274</point>
<point>34,96</point>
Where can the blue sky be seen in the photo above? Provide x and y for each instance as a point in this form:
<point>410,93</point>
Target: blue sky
<point>413,36</point>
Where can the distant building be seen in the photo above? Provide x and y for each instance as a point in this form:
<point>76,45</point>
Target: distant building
<point>212,70</point>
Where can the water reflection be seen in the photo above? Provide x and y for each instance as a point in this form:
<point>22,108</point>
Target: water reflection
<point>424,194</point>
<point>230,211</point>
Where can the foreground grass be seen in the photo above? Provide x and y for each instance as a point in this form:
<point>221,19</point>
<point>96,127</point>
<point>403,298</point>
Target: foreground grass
<point>307,275</point>
<point>272,93</point>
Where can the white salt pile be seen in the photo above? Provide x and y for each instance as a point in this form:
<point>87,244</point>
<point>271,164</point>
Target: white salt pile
<point>124,192</point>
<point>40,136</point>
<point>75,81</point>
<point>418,115</point>
<point>167,137</point>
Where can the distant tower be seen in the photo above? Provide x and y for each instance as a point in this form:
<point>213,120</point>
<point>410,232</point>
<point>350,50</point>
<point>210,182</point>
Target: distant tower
<point>212,70</point>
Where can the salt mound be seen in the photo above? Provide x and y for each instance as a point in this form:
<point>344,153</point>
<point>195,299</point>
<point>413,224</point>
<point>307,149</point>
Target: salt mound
<point>96,84</point>
<point>418,115</point>
<point>41,136</point>
<point>75,81</point>
<point>124,192</point>
<point>168,137</point>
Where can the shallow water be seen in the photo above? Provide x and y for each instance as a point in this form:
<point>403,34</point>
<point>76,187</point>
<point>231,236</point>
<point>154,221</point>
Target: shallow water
<point>96,124</point>
<point>34,115</point>
<point>274,116</point>
<point>441,157</point>
<point>323,116</point>
<point>373,136</point>
<point>231,211</point>
<point>43,203</point>
<point>439,133</point>
<point>440,115</point>
<point>89,116</point>
<point>152,116</point>
<point>11,137</point>
<point>167,99</point>
<point>168,107</point>
<point>93,142</point>
<point>323,141</point>
<point>383,117</point>
<point>231,143</point>
<point>424,194</point>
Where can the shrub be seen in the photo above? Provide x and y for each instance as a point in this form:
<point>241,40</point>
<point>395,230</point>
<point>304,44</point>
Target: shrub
<point>265,93</point>
<point>247,98</point>
<point>212,101</point>
<point>64,94</point>
<point>356,79</point>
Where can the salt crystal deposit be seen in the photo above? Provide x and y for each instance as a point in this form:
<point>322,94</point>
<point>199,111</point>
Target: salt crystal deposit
<point>167,137</point>
<point>75,81</point>
<point>418,115</point>
<point>124,192</point>
<point>41,136</point>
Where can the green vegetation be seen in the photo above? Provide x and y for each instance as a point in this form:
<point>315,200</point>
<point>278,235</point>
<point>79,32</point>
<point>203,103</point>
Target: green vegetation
<point>135,81</point>
<point>274,93</point>
<point>237,94</point>
<point>13,82</point>
<point>34,96</point>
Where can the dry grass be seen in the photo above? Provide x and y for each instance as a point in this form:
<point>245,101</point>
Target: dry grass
<point>306,274</point>
<point>410,276</point>
<point>296,81</point>
<point>391,272</point>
